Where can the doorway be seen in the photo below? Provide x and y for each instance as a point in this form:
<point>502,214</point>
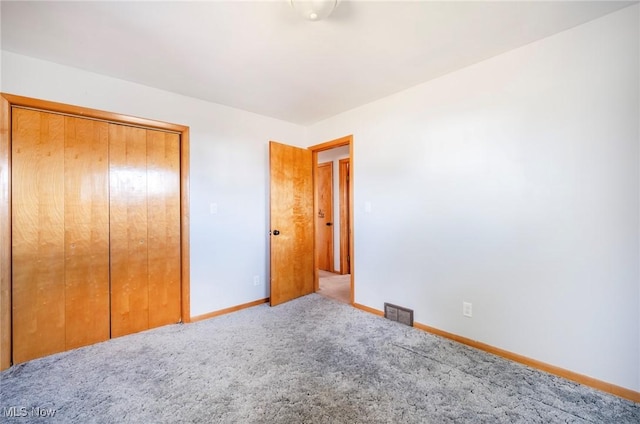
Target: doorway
<point>332,211</point>
<point>292,202</point>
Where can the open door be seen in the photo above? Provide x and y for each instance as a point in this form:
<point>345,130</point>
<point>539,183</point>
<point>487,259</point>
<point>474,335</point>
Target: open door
<point>291,220</point>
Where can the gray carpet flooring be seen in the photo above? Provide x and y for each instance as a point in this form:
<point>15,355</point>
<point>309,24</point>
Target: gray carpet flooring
<point>312,360</point>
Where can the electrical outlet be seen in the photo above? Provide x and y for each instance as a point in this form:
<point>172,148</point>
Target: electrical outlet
<point>467,309</point>
<point>256,280</point>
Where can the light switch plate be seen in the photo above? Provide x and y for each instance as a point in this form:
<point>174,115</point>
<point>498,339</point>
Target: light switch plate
<point>467,309</point>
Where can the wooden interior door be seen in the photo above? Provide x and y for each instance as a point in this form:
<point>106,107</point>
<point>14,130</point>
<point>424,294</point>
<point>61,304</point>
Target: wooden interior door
<point>88,195</point>
<point>86,229</point>
<point>128,234</point>
<point>37,211</point>
<point>163,197</point>
<point>291,220</point>
<point>60,256</point>
<point>324,217</point>
<point>145,229</point>
<point>96,246</point>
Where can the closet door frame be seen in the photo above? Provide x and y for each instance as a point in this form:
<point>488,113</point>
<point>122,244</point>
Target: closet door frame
<point>7,101</point>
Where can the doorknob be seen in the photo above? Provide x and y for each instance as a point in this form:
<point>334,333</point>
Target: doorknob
<point>329,224</point>
<point>276,232</point>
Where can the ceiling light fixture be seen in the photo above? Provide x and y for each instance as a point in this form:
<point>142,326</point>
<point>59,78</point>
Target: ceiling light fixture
<point>314,10</point>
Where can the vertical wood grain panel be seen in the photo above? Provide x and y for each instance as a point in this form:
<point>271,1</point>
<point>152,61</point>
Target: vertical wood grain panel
<point>86,227</point>
<point>163,193</point>
<point>291,209</point>
<point>5,234</point>
<point>38,291</point>
<point>128,232</point>
<point>324,216</point>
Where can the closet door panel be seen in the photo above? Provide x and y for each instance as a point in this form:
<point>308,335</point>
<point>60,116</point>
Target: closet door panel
<point>128,232</point>
<point>38,290</point>
<point>163,191</point>
<point>86,197</point>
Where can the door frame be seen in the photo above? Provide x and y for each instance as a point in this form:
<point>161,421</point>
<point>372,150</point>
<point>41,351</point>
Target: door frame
<point>344,176</point>
<point>7,101</point>
<point>315,149</point>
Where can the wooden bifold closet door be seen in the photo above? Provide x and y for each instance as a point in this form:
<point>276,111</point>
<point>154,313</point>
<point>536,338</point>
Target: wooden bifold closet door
<point>95,231</point>
<point>145,228</point>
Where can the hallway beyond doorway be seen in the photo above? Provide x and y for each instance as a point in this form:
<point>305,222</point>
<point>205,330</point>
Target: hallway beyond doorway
<point>334,286</point>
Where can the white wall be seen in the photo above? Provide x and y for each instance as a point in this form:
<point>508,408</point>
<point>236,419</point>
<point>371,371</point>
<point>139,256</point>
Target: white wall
<point>229,166</point>
<point>512,184</point>
<point>334,155</point>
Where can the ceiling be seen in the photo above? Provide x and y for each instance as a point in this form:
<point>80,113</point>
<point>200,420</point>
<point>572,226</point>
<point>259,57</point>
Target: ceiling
<point>260,56</point>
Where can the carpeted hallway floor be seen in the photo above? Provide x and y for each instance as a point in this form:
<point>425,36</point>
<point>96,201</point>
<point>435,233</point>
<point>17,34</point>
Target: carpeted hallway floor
<point>335,286</point>
<point>311,360</point>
